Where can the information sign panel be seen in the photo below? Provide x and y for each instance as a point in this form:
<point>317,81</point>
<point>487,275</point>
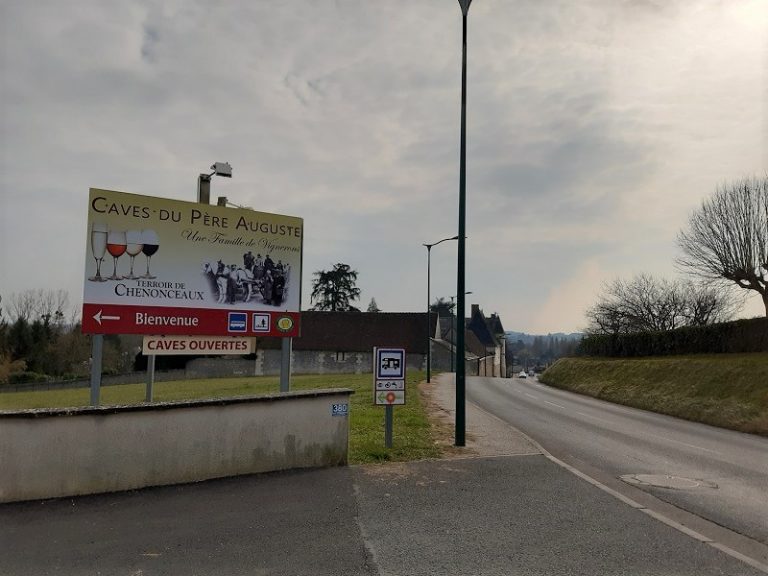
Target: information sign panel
<point>390,384</point>
<point>390,398</point>
<point>389,363</point>
<point>181,345</point>
<point>389,376</point>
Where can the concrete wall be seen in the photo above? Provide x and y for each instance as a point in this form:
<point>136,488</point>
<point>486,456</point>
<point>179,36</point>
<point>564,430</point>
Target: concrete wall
<point>64,452</point>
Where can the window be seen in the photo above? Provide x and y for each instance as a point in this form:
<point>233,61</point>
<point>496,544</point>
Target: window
<point>341,356</point>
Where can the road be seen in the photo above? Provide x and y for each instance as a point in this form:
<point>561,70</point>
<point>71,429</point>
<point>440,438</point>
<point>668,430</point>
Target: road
<point>718,474</point>
<point>494,516</point>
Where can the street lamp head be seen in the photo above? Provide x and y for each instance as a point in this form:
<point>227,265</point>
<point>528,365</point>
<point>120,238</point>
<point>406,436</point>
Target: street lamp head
<point>222,169</point>
<point>465,293</point>
<point>428,246</point>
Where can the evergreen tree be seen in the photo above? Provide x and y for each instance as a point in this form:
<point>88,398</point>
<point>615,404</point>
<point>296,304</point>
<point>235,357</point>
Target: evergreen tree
<point>334,290</point>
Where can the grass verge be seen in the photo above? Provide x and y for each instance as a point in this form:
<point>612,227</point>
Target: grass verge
<point>725,390</point>
<point>412,435</point>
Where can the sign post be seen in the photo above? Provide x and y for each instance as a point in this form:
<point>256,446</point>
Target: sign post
<point>388,384</point>
<point>285,365</point>
<point>150,377</point>
<point>97,347</point>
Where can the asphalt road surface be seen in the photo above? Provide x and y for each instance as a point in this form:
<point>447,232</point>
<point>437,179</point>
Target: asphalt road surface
<point>716,474</point>
<point>497,516</point>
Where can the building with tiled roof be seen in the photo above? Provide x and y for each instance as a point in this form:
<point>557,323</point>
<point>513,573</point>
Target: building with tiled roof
<point>343,342</point>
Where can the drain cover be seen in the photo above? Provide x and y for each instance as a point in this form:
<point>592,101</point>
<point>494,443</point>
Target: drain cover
<point>666,481</point>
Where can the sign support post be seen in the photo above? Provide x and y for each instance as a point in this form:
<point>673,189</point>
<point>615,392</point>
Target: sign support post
<point>150,377</point>
<point>285,365</point>
<point>97,347</point>
<point>388,425</point>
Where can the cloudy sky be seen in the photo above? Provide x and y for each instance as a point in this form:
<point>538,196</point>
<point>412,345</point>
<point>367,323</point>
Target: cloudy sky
<point>594,128</point>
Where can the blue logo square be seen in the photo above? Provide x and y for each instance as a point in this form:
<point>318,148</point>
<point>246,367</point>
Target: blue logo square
<point>238,322</point>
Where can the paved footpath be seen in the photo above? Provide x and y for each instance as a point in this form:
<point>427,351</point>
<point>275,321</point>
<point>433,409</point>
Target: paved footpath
<point>489,514</point>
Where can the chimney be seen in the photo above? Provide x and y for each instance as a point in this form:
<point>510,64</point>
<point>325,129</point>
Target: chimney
<point>475,309</point>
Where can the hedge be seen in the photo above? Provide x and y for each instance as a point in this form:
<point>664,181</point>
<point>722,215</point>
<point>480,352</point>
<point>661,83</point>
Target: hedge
<point>740,336</point>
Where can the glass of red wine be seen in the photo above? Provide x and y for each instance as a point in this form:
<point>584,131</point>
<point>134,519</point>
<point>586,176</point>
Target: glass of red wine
<point>116,248</point>
<point>149,245</point>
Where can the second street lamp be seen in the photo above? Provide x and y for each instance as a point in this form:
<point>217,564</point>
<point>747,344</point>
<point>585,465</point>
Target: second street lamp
<point>429,324</point>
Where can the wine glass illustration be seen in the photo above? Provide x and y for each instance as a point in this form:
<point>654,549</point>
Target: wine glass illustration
<point>149,245</point>
<point>134,246</point>
<point>116,248</point>
<point>98,248</point>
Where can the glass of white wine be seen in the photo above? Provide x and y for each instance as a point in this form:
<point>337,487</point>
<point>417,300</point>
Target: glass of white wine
<point>134,246</point>
<point>149,245</point>
<point>98,248</point>
<point>116,248</point>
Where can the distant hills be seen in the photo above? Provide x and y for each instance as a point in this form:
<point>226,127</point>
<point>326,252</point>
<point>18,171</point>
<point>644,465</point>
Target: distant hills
<point>528,338</point>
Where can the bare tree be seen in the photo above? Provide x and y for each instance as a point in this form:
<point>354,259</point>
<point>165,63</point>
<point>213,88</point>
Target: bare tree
<point>708,304</point>
<point>727,237</point>
<point>645,304</point>
<point>21,306</point>
<point>39,303</point>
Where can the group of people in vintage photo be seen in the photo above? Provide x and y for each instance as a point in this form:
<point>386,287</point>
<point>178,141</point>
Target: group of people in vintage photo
<point>257,277</point>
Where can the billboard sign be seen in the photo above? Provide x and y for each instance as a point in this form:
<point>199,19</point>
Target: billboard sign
<point>160,266</point>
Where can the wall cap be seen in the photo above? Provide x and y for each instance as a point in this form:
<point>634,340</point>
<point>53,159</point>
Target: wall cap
<point>172,405</point>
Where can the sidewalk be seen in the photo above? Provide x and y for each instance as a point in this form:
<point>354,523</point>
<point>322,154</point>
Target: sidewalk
<point>485,435</point>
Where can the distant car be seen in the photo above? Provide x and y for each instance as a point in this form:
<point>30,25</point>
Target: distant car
<point>531,373</point>
<point>522,375</point>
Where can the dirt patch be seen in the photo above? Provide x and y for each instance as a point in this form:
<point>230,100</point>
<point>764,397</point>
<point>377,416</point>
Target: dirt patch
<point>441,420</point>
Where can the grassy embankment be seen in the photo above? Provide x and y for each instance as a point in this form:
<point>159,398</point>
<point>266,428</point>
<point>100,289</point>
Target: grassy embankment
<point>412,436</point>
<point>726,390</point>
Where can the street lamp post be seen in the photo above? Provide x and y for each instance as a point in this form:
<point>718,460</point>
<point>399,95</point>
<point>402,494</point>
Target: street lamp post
<point>429,324</point>
<point>461,420</point>
<point>455,329</point>
<point>204,180</point>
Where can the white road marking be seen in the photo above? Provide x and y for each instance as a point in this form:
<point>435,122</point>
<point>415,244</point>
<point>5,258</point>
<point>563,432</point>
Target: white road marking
<point>631,411</point>
<point>558,405</point>
<point>649,434</point>
<point>681,443</point>
<point>531,396</point>
<point>595,418</point>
